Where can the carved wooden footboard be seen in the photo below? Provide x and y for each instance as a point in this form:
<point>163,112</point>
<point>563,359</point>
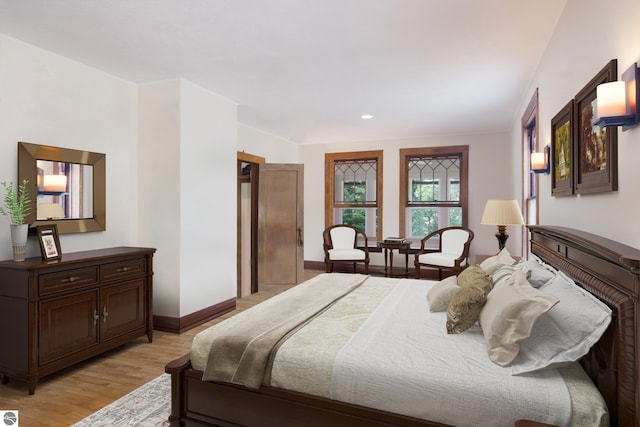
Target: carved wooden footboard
<point>195,402</point>
<point>607,269</point>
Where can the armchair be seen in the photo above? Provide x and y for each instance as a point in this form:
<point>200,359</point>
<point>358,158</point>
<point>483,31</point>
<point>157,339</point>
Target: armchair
<point>452,253</point>
<point>340,245</point>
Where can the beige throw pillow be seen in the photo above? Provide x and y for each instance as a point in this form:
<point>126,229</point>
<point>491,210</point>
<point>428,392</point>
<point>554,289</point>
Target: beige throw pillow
<point>509,314</point>
<point>473,274</point>
<point>440,294</point>
<point>465,305</point>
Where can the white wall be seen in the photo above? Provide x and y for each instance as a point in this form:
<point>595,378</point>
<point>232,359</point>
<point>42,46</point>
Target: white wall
<point>588,35</point>
<point>172,187</point>
<point>159,182</point>
<point>187,143</point>
<point>488,178</point>
<point>48,99</point>
<point>208,193</point>
<point>273,148</point>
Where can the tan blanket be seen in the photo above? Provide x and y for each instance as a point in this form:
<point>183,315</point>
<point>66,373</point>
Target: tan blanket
<point>241,355</point>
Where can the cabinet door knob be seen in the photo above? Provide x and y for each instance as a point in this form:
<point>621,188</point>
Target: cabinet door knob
<point>105,313</point>
<point>96,316</point>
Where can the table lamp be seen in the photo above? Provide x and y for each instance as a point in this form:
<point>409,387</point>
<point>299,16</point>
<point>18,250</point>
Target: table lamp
<point>502,213</point>
<point>49,211</point>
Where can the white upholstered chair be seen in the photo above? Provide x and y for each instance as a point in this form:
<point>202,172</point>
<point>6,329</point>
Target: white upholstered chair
<point>341,246</point>
<point>452,252</point>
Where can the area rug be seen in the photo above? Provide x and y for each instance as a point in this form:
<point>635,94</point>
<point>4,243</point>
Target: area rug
<point>147,406</point>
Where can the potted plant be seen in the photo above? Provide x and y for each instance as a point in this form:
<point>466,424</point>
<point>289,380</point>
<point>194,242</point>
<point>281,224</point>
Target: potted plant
<point>16,207</point>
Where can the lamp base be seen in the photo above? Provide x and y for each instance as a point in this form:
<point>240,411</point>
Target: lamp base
<point>502,236</point>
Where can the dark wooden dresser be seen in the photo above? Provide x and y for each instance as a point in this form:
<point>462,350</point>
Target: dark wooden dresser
<point>54,314</point>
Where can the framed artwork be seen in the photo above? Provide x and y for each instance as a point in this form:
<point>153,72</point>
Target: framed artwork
<point>562,151</point>
<point>596,147</point>
<point>49,242</point>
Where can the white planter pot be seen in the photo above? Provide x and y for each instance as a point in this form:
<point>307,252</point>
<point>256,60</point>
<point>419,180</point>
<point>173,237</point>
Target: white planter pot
<point>19,241</point>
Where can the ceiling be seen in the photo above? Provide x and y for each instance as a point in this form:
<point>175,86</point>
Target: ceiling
<point>306,70</point>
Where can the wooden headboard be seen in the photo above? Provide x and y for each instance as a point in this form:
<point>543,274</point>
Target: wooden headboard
<point>611,271</point>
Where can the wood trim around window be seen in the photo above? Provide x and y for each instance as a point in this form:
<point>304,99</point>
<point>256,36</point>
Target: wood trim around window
<point>329,160</point>
<point>529,119</point>
<point>461,150</point>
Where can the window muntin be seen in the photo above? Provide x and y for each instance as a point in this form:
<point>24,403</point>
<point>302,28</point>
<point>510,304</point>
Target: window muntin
<point>426,173</point>
<point>355,182</point>
<point>354,190</point>
<point>434,195</point>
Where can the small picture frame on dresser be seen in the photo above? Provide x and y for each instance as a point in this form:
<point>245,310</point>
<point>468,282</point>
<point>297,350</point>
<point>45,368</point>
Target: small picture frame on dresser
<point>49,242</point>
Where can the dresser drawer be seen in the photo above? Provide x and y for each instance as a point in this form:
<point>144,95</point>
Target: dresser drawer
<point>123,269</point>
<point>51,283</point>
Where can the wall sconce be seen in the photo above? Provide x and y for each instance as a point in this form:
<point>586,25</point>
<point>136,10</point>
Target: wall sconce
<point>540,161</point>
<point>502,213</point>
<point>618,101</point>
<point>54,184</point>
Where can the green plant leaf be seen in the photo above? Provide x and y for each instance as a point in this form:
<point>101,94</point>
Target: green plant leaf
<point>16,204</point>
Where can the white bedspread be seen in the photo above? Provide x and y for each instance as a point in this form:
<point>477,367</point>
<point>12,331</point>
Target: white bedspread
<point>305,363</point>
<point>450,380</point>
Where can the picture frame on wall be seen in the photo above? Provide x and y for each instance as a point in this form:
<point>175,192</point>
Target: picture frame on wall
<point>596,149</point>
<point>562,149</point>
<point>49,242</point>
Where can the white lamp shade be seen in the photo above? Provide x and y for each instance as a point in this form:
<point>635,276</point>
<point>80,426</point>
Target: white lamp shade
<point>49,210</point>
<point>502,212</point>
<point>611,99</point>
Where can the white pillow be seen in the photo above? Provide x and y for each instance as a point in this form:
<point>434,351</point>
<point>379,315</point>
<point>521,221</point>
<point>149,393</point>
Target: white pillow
<point>541,272</point>
<point>566,332</point>
<point>503,274</point>
<point>440,294</point>
<point>509,315</point>
<point>492,264</point>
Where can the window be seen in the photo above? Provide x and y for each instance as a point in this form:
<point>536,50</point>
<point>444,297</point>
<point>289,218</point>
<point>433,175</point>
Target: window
<point>353,191</point>
<point>434,190</point>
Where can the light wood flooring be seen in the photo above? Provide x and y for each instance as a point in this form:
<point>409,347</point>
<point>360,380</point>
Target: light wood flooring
<point>66,397</point>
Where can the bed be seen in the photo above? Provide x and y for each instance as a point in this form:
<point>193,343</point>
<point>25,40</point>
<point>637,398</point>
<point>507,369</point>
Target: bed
<point>606,269</point>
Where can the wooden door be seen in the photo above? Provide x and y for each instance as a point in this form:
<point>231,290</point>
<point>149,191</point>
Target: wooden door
<point>247,223</point>
<point>122,309</point>
<point>67,325</point>
<point>280,224</point>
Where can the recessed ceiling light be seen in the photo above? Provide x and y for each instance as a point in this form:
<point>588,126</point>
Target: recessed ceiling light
<point>367,116</point>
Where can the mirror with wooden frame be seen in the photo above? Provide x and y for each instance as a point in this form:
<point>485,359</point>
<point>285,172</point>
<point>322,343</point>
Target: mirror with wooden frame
<point>67,187</point>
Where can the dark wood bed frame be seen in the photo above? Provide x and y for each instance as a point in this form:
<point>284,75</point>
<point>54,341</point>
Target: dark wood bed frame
<point>607,269</point>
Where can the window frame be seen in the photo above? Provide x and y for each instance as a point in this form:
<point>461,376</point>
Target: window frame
<point>462,151</point>
<point>329,183</point>
<point>530,181</point>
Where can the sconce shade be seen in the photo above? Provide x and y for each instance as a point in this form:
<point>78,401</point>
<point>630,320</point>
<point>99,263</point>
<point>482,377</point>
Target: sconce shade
<point>537,161</point>
<point>54,183</point>
<point>50,211</point>
<point>617,102</point>
<point>611,99</point>
<point>540,161</point>
<point>502,213</point>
